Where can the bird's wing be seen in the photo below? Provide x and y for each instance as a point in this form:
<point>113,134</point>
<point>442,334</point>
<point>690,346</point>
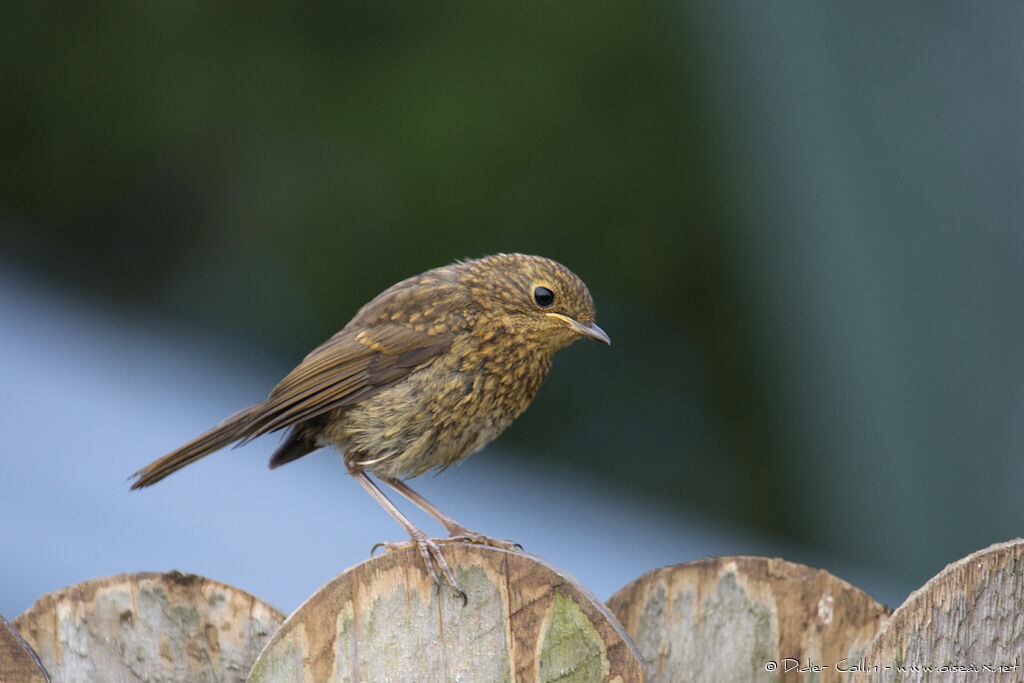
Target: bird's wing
<point>349,366</point>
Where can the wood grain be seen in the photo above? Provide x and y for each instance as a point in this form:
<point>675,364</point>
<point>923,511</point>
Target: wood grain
<point>18,663</point>
<point>148,627</point>
<point>746,618</point>
<point>384,619</point>
<point>966,623</point>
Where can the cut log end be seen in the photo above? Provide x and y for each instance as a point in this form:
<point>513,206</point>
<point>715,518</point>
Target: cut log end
<point>746,618</point>
<point>385,619</point>
<point>148,626</point>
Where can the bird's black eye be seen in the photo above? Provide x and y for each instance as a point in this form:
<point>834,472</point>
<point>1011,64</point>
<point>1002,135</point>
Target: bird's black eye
<point>543,296</point>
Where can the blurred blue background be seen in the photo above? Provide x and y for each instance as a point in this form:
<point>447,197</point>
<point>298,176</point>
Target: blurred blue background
<point>803,226</point>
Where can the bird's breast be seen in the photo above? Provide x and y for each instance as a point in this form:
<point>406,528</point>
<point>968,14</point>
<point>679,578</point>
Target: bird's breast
<point>440,413</point>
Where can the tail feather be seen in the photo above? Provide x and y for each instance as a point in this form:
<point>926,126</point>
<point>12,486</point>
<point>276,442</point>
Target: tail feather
<point>232,429</point>
<point>298,443</point>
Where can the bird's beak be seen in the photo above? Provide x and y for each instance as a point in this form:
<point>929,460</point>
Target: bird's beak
<point>589,330</point>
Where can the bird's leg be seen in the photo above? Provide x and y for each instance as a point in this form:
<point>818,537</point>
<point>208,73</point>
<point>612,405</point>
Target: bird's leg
<point>429,549</point>
<point>456,532</point>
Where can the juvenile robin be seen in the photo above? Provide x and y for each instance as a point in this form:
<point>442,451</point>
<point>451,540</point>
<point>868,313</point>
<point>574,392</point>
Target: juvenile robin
<point>424,375</point>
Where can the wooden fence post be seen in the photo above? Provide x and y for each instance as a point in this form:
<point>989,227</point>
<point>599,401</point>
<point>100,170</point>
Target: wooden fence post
<point>746,618</point>
<point>148,627</point>
<point>718,619</point>
<point>966,623</point>
<point>384,619</point>
<point>18,663</point>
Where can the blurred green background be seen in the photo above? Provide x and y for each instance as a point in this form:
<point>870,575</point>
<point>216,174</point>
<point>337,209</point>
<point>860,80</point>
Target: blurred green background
<point>803,224</point>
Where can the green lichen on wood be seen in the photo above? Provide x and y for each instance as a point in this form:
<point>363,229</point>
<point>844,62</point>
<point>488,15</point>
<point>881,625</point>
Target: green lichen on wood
<point>345,649</point>
<point>571,648</point>
<point>282,662</point>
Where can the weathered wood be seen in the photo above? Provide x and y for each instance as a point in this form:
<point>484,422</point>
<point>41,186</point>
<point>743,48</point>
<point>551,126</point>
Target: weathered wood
<point>385,620</point>
<point>965,624</point>
<point>18,663</point>
<point>746,618</point>
<point>148,626</point>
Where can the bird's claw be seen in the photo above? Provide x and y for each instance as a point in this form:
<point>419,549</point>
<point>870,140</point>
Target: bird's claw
<point>461,533</point>
<point>500,543</point>
<point>388,546</point>
<point>430,551</point>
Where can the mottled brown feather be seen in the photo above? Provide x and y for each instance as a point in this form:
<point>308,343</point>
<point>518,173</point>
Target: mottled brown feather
<point>372,352</point>
<point>422,376</point>
<point>346,368</point>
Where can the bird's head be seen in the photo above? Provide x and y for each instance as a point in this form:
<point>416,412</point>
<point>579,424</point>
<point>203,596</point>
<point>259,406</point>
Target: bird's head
<point>536,298</point>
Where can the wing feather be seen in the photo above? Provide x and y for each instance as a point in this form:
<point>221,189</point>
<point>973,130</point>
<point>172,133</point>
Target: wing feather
<point>346,368</point>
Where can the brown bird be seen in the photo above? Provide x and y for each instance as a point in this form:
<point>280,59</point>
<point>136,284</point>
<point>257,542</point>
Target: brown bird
<point>426,374</point>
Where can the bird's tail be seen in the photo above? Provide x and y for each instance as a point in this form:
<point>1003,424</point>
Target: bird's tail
<point>233,428</point>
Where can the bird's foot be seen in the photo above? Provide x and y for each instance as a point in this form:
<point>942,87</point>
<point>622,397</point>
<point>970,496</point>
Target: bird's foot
<point>461,533</point>
<point>430,550</point>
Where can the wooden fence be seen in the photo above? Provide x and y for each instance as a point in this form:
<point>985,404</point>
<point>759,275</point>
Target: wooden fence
<point>738,618</point>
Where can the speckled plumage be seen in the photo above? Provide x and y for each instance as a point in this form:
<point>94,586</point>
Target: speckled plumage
<point>424,375</point>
